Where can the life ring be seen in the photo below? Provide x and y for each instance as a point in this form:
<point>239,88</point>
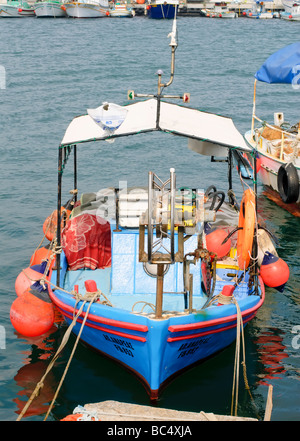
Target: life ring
<point>288,183</point>
<point>246,229</point>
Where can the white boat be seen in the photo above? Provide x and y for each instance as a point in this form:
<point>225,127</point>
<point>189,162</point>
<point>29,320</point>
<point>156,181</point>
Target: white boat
<point>86,8</point>
<point>220,12</point>
<point>277,145</point>
<point>292,14</point>
<point>16,9</point>
<point>50,8</point>
<point>121,10</point>
<point>259,11</point>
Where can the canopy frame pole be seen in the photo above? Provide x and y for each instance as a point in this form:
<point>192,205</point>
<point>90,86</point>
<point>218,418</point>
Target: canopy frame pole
<point>75,172</point>
<point>58,232</point>
<point>253,109</point>
<point>255,244</point>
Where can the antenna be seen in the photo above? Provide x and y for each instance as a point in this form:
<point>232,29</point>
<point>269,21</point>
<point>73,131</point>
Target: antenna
<point>131,95</point>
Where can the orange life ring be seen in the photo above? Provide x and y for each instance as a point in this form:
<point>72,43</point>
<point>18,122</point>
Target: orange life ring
<point>50,224</point>
<point>246,232</point>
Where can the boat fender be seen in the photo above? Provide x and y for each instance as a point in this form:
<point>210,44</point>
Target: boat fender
<point>32,314</point>
<point>288,183</point>
<point>214,238</point>
<point>29,276</point>
<point>246,227</point>
<point>40,254</point>
<point>274,271</point>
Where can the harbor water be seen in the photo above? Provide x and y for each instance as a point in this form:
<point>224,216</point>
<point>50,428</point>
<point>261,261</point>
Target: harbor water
<point>53,70</point>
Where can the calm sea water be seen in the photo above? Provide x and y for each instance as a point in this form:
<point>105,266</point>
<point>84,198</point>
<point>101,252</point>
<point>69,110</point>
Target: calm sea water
<point>56,69</point>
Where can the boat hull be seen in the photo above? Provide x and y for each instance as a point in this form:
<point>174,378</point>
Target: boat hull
<point>85,10</point>
<point>15,11</point>
<point>49,9</point>
<point>156,350</point>
<point>163,10</point>
<point>268,174</point>
<point>120,14</point>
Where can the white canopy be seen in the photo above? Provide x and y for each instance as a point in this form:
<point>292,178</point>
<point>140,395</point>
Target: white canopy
<point>201,127</point>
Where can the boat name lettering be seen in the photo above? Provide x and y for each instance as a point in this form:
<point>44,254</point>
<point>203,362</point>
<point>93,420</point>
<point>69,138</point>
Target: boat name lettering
<point>124,350</point>
<point>118,341</point>
<point>191,348</point>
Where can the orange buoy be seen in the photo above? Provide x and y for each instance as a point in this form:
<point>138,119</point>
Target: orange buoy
<point>39,255</point>
<point>274,271</point>
<point>32,313</point>
<point>50,224</point>
<point>246,232</point>
<point>214,238</point>
<point>29,276</point>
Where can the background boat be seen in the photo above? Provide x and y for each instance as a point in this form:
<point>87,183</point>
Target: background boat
<point>292,13</point>
<point>160,9</point>
<point>86,8</point>
<point>16,9</point>
<point>121,9</point>
<point>278,144</point>
<point>50,8</point>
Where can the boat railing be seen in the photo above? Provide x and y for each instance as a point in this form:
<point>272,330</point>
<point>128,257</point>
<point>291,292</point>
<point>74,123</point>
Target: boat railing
<point>284,135</point>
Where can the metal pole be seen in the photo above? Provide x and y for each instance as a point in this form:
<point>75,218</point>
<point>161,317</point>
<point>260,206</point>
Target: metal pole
<point>59,185</point>
<point>255,247</point>
<point>159,290</point>
<point>75,171</point>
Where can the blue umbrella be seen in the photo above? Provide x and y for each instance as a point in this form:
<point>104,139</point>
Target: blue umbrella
<point>281,67</point>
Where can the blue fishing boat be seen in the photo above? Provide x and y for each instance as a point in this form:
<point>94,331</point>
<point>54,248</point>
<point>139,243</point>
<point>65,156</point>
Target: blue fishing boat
<point>158,278</point>
<point>159,9</point>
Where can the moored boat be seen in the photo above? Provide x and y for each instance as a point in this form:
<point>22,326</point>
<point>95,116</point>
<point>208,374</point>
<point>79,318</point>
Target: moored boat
<point>86,8</point>
<point>169,273</point>
<point>16,9</point>
<point>219,11</point>
<point>291,14</point>
<point>160,9</point>
<point>49,8</point>
<point>121,9</point>
<point>259,11</point>
<point>277,145</point>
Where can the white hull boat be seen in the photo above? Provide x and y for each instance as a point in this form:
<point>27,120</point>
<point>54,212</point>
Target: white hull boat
<point>121,10</point>
<point>293,14</point>
<point>16,9</point>
<point>87,9</point>
<point>277,145</point>
<point>49,9</point>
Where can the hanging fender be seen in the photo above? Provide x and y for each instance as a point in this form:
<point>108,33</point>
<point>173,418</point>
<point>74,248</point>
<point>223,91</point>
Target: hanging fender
<point>288,183</point>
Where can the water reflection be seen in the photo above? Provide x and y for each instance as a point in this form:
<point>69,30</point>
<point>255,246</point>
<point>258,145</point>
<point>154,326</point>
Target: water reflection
<point>271,351</point>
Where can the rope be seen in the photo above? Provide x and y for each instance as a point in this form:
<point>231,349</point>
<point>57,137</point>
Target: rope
<point>65,339</point>
<point>226,300</point>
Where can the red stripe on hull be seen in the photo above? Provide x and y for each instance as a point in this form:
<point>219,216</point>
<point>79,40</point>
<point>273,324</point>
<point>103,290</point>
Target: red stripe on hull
<point>96,318</point>
<point>214,322</point>
<point>202,334</point>
<point>100,328</point>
